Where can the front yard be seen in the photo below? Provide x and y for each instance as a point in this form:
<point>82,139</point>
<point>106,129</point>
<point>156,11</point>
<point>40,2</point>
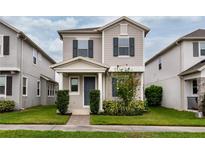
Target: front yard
<point>34,115</point>
<point>158,116</point>
<point>63,134</point>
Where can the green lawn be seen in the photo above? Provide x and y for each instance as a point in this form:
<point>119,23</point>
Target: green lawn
<point>157,116</point>
<point>34,115</point>
<point>62,134</point>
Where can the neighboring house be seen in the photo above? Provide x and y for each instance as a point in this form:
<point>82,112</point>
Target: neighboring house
<point>180,70</point>
<point>25,75</point>
<point>93,56</point>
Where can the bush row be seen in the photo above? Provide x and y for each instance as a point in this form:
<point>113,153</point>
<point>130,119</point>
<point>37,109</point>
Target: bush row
<point>6,106</point>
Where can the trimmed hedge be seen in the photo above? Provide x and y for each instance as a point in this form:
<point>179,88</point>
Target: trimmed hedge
<point>94,101</point>
<point>62,101</point>
<point>6,106</point>
<point>153,95</point>
<point>133,108</point>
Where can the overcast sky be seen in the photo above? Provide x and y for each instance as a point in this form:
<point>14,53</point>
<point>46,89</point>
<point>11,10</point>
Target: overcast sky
<point>164,30</point>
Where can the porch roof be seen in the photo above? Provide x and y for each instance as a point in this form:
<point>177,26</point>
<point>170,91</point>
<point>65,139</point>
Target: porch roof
<point>78,65</point>
<point>194,69</point>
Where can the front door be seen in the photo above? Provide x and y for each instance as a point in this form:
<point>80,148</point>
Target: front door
<point>89,84</point>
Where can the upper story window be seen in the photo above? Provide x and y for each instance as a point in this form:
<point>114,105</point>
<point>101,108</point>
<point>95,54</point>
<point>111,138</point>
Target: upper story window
<point>160,64</point>
<point>198,49</point>
<point>124,46</point>
<point>83,48</point>
<point>202,48</point>
<point>4,45</point>
<point>35,56</point>
<point>123,29</point>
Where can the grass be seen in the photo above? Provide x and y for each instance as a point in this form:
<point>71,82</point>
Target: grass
<point>62,134</point>
<point>158,116</point>
<point>34,115</point>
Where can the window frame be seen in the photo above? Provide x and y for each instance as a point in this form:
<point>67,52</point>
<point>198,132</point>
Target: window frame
<point>123,37</point>
<point>26,86</point>
<point>83,48</point>
<point>193,87</point>
<point>34,56</point>
<point>159,64</point>
<point>51,90</point>
<point>38,88</point>
<point>2,47</point>
<point>199,44</point>
<point>4,95</point>
<point>74,92</point>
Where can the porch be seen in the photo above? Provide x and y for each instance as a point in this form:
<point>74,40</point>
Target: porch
<point>81,75</point>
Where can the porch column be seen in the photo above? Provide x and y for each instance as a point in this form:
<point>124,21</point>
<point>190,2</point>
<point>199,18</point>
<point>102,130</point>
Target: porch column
<point>60,81</point>
<point>100,88</point>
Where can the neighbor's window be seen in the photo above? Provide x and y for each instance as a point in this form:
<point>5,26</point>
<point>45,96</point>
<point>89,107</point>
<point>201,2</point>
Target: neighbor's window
<point>34,56</point>
<point>74,84</point>
<point>38,88</point>
<point>160,64</point>
<point>51,89</point>
<point>202,48</point>
<point>83,48</point>
<point>1,45</point>
<point>194,86</point>
<point>25,80</point>
<point>123,47</point>
<point>2,85</point>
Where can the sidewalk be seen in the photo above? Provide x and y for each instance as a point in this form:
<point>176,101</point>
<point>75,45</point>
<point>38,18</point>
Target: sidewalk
<point>103,128</point>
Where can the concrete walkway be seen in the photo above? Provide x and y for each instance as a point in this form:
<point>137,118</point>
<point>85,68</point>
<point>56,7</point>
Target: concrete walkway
<point>104,128</point>
<point>79,120</point>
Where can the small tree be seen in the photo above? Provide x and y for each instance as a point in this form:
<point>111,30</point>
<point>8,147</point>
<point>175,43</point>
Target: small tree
<point>153,95</point>
<point>94,101</point>
<point>126,87</point>
<point>62,101</point>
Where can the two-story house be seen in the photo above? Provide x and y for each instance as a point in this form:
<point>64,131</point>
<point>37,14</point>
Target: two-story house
<point>93,56</point>
<point>179,69</point>
<point>25,75</point>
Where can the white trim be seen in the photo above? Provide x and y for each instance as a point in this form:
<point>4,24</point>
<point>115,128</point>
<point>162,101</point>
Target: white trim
<point>82,38</point>
<point>87,106</point>
<point>4,95</point>
<point>74,36</point>
<point>26,86</point>
<point>2,47</point>
<point>75,70</point>
<point>100,88</point>
<point>74,93</point>
<point>9,69</point>
<point>103,48</point>
<point>38,81</point>
<point>126,69</point>
<point>125,56</point>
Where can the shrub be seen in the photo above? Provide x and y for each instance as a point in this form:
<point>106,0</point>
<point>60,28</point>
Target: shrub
<point>153,95</point>
<point>7,106</point>
<point>62,101</point>
<point>134,107</point>
<point>94,101</point>
<point>126,87</point>
<point>111,107</point>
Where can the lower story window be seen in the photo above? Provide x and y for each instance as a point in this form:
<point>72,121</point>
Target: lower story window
<point>114,87</point>
<point>51,89</point>
<point>74,84</point>
<point>194,86</point>
<point>25,80</point>
<point>2,85</point>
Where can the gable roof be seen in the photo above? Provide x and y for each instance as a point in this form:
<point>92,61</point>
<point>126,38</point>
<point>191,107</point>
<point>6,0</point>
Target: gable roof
<point>23,36</point>
<point>79,58</point>
<point>198,34</point>
<point>194,69</point>
<point>100,29</point>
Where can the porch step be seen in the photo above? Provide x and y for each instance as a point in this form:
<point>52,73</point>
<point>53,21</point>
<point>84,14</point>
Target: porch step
<point>80,112</point>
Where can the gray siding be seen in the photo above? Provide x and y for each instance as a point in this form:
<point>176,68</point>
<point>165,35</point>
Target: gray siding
<point>114,31</point>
